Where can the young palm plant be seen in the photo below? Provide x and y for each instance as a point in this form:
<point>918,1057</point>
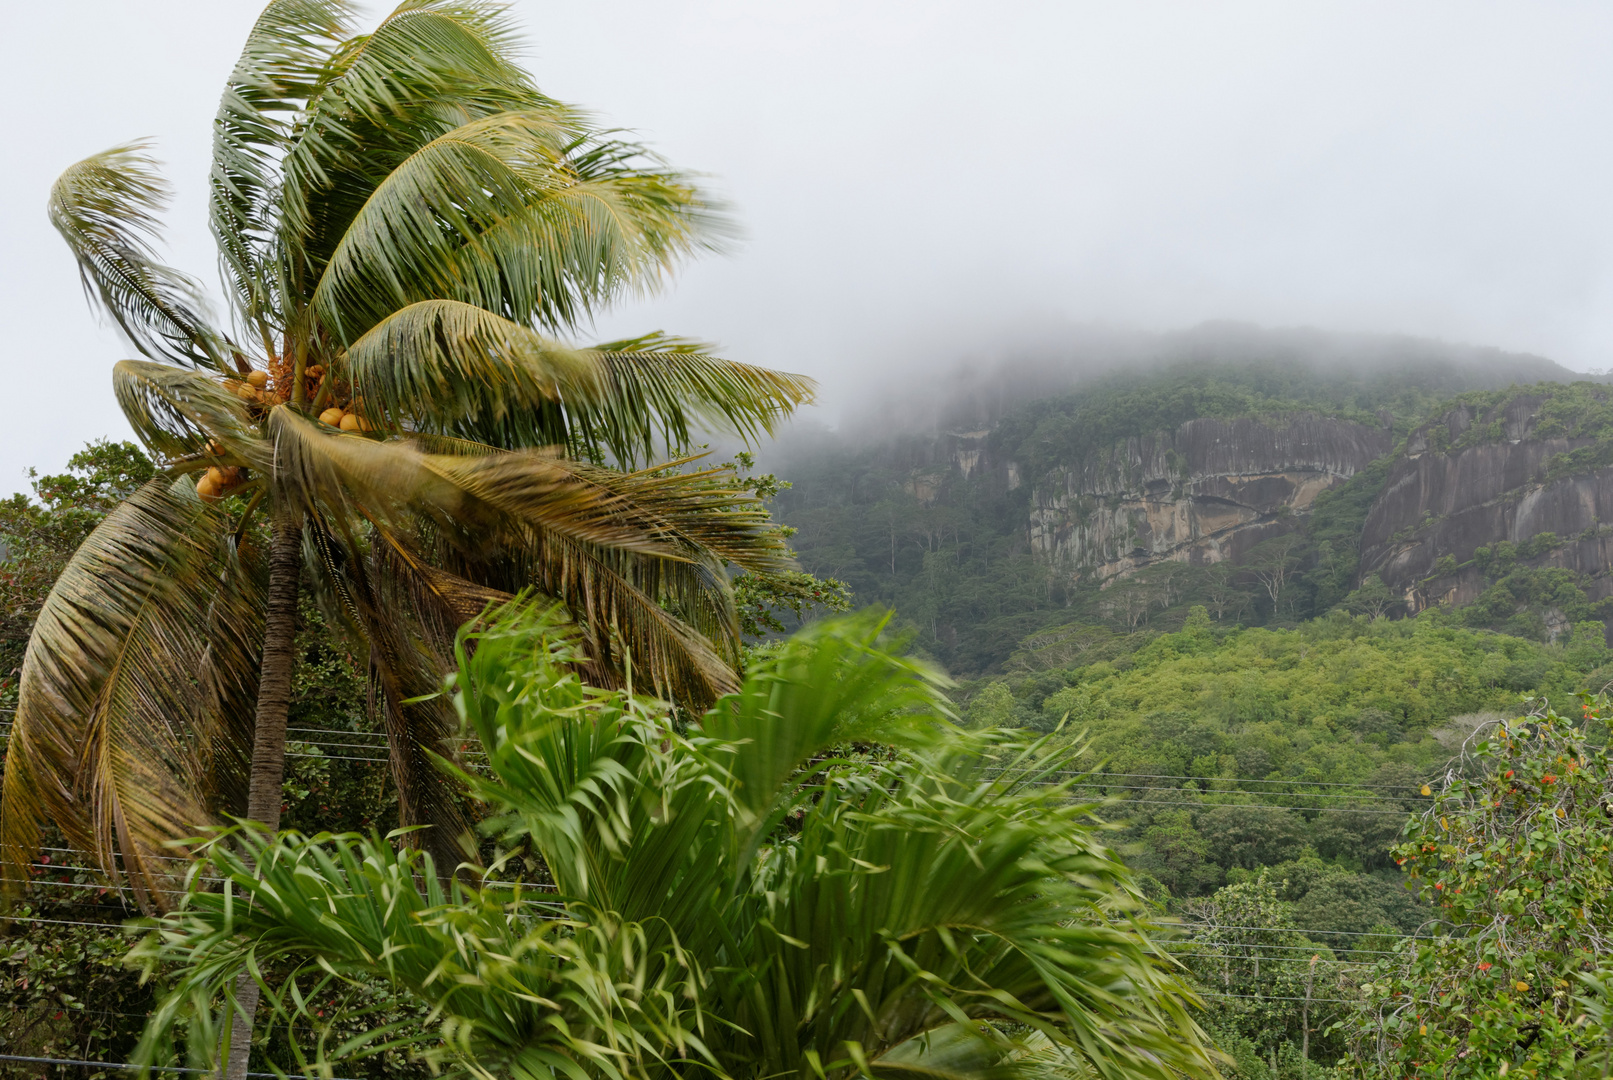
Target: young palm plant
<point>404,226</point>
<point>744,899</point>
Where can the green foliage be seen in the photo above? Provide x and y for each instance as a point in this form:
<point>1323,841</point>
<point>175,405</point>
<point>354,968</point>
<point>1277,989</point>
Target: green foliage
<point>1514,855</point>
<point>39,535</point>
<point>776,602</point>
<point>1252,964</point>
<point>739,900</point>
<point>67,992</point>
<point>1519,601</point>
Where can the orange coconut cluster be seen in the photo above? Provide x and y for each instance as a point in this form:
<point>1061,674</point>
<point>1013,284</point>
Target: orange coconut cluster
<point>219,480</point>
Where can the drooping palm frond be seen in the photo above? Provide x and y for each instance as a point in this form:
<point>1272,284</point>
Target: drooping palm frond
<point>630,621</point>
<point>492,499</point>
<point>106,208</point>
<point>176,413</point>
<point>232,653</point>
<point>420,723</point>
<point>448,367</point>
<point>111,701</point>
<point>288,51</point>
<point>441,601</point>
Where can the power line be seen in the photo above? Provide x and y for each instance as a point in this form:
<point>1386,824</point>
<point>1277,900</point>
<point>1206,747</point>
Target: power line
<point>1240,780</point>
<point>1275,806</point>
<point>1296,948</point>
<point>1269,997</point>
<point>153,1068</point>
<point>1266,959</point>
<point>63,922</point>
<point>1302,930</point>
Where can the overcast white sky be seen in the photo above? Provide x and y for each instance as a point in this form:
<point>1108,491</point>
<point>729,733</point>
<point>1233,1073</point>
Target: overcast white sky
<point>927,173</point>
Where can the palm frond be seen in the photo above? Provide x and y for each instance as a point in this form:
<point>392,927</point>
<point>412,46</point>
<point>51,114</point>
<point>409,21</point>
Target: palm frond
<point>405,244</point>
<point>110,704</point>
<point>444,366</point>
<point>288,51</point>
<point>454,368</point>
<point>663,389</point>
<point>230,665</point>
<point>440,601</point>
<point>106,208</point>
<point>420,723</point>
<point>176,413</point>
<point>611,217</point>
<point>491,499</point>
<point>837,686</point>
<point>640,620</point>
<point>628,629</point>
<point>428,68</point>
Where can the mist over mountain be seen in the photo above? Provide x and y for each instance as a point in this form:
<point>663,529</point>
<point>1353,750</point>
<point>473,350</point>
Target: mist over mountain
<point>925,393</point>
<point>1116,479</point>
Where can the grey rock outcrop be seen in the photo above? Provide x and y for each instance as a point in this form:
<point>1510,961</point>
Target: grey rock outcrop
<point>1206,492</point>
<point>1438,503</point>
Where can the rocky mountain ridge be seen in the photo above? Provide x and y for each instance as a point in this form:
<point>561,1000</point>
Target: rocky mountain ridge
<point>1419,483</point>
<point>1485,475</point>
<point>1204,493</point>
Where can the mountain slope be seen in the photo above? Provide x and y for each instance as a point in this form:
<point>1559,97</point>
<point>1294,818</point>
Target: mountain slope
<point>1131,493</point>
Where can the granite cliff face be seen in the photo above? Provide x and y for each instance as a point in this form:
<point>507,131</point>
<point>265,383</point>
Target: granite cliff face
<point>1477,477</point>
<point>1206,492</point>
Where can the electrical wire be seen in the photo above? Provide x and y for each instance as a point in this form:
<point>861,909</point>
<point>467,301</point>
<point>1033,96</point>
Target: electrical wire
<point>153,1068</point>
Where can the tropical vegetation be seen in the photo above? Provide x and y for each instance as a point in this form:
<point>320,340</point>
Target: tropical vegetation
<point>386,422</point>
<point>1513,856</point>
<point>749,896</point>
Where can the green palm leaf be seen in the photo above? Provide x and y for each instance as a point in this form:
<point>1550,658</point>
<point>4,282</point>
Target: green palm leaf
<point>448,367</point>
<point>109,704</point>
<point>105,207</point>
<point>177,412</point>
<point>659,387</point>
<point>428,68</point>
<point>281,66</point>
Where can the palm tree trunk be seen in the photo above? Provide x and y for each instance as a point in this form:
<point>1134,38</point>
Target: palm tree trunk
<point>269,739</point>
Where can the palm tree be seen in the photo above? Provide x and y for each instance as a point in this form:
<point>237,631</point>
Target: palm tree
<point>736,900</point>
<point>404,226</point>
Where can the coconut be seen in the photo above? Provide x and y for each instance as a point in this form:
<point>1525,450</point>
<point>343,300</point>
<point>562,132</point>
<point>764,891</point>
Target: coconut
<point>249,393</point>
<point>214,448</point>
<point>351,422</point>
<point>259,379</point>
<point>316,370</point>
<point>206,488</point>
<point>332,416</point>
<point>218,477</point>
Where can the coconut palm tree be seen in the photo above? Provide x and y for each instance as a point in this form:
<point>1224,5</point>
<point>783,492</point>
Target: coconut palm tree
<point>738,900</point>
<point>405,225</point>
